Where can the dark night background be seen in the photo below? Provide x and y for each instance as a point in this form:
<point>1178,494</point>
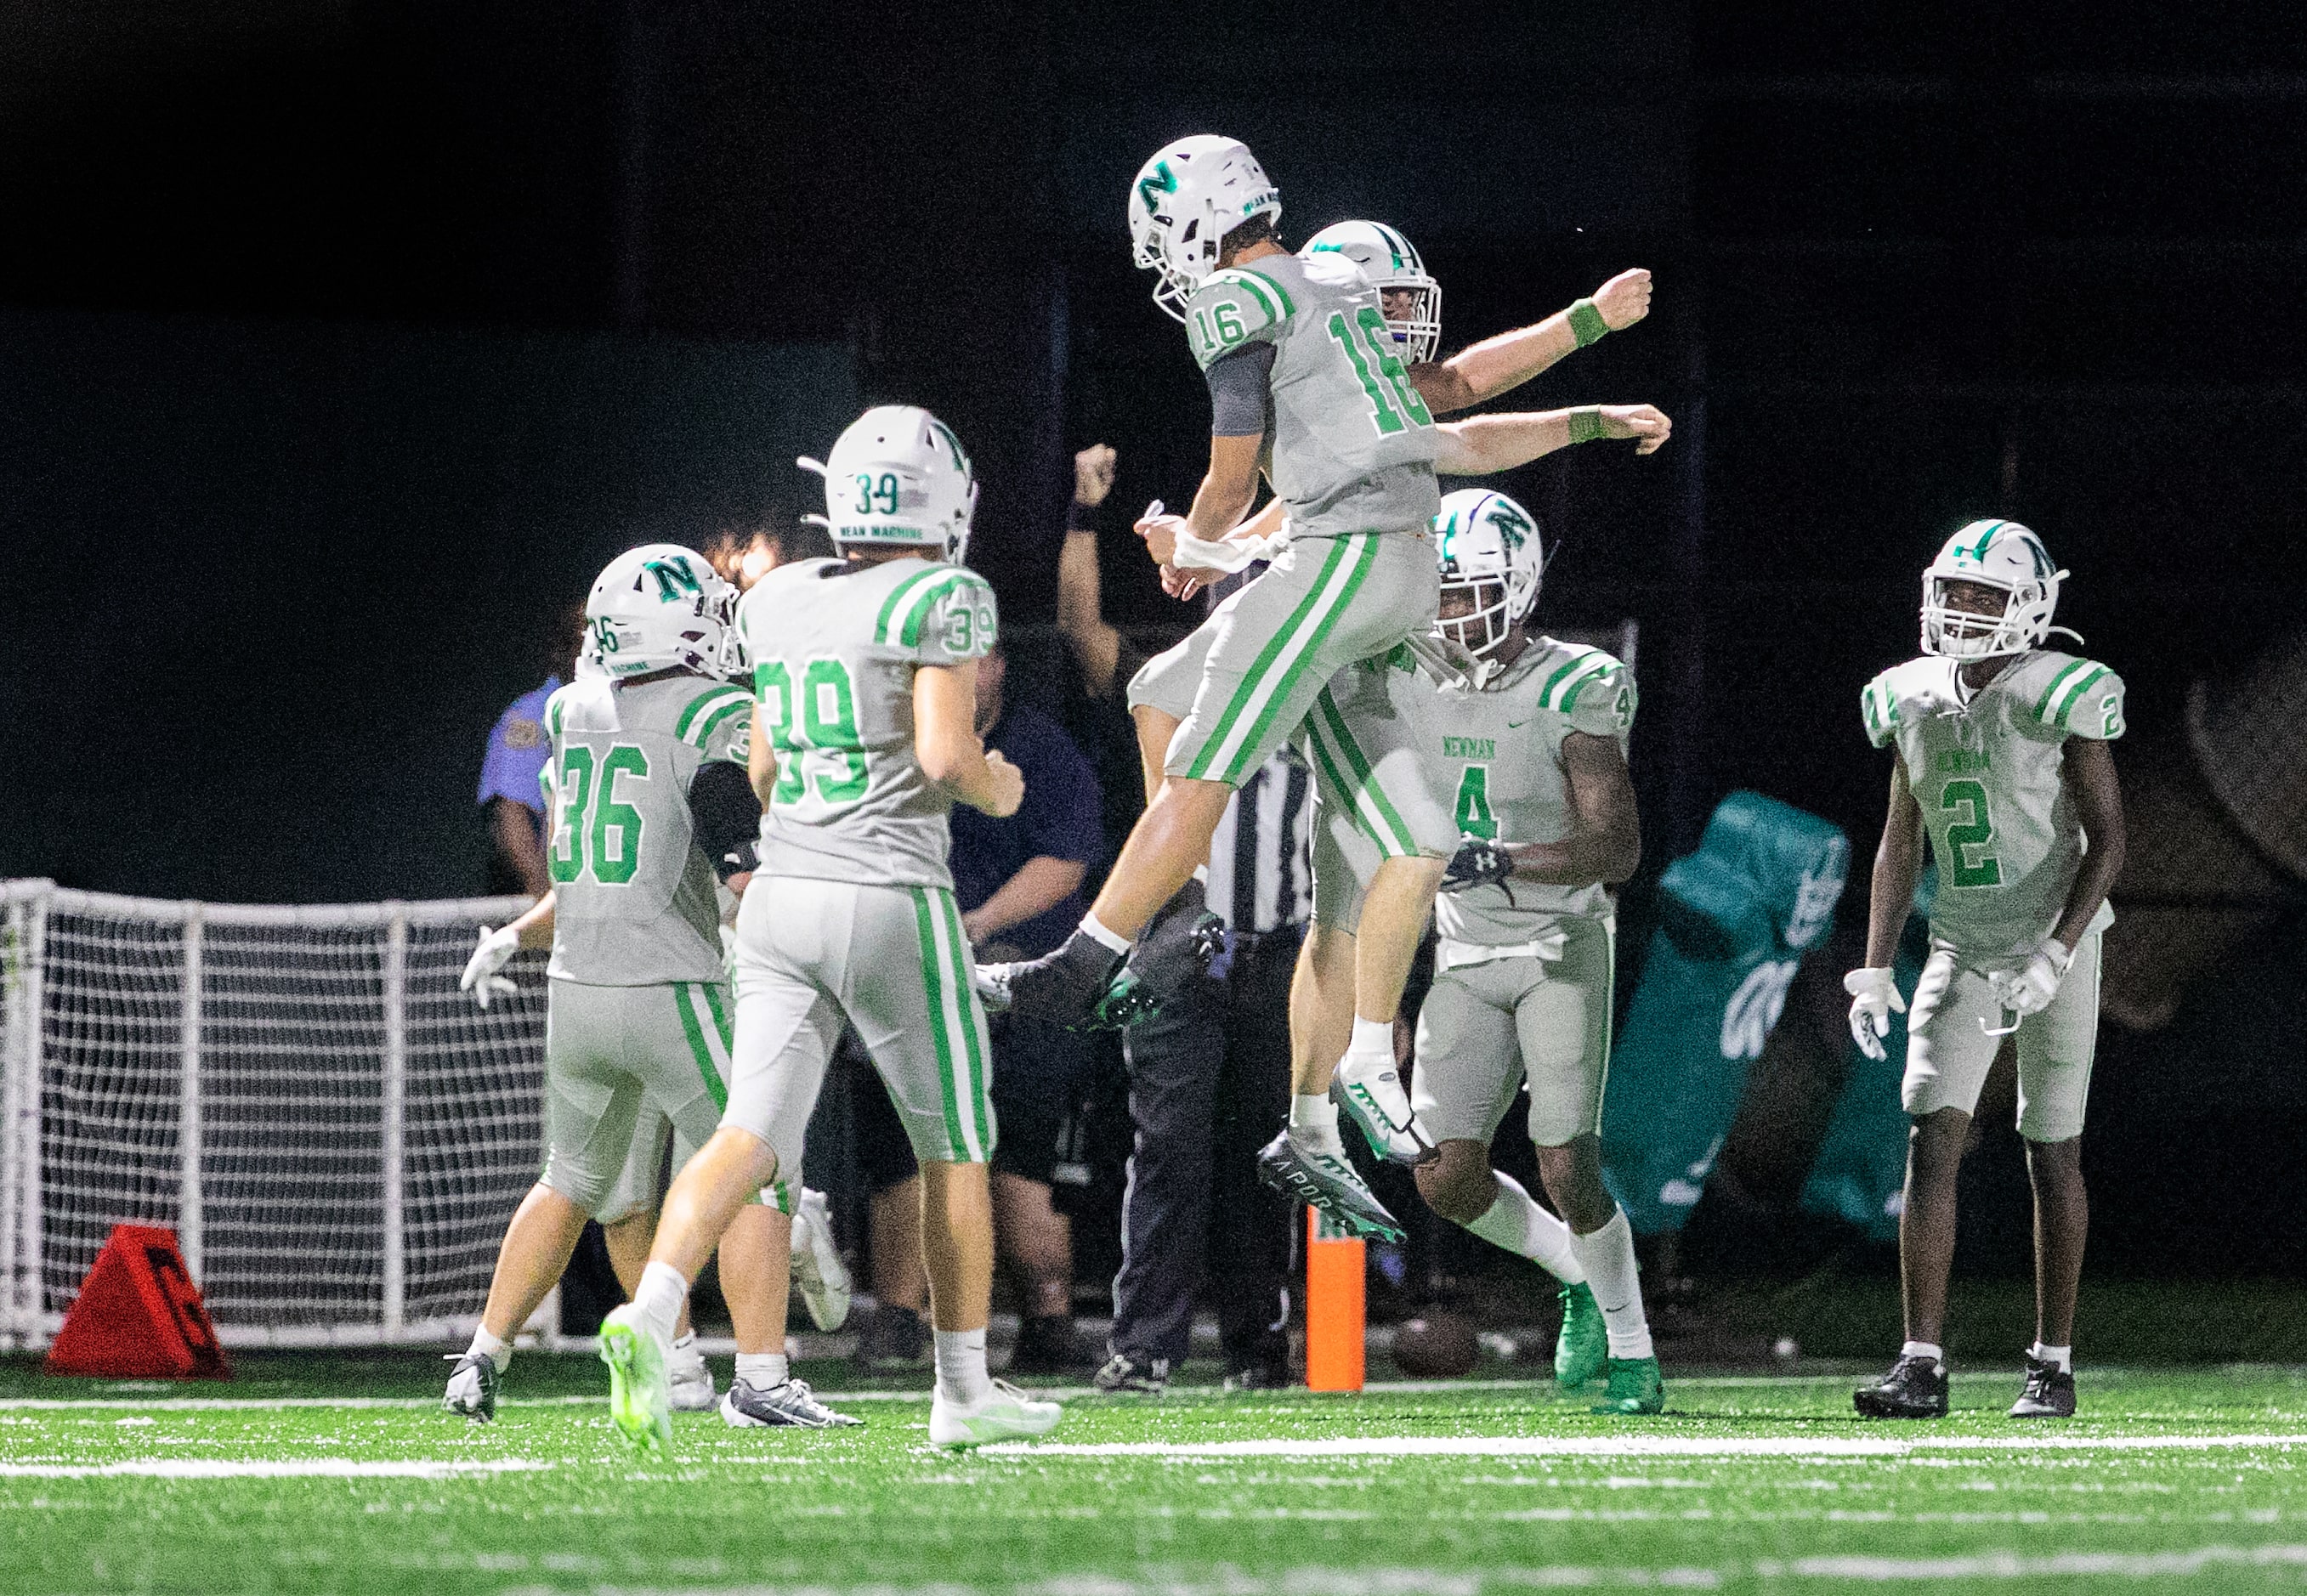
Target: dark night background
<point>340,343</point>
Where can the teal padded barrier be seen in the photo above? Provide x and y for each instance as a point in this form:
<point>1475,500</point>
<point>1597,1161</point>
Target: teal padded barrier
<point>1734,919</point>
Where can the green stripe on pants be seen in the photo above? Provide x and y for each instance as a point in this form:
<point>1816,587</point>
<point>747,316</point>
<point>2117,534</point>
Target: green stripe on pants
<point>684,1001</point>
<point>1284,660</point>
<point>1379,820</point>
<point>978,1044</point>
<point>940,1037</point>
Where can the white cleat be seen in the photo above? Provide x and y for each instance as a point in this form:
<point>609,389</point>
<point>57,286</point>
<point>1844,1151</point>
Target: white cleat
<point>640,1396</point>
<point>691,1382</point>
<point>818,1272</point>
<point>1370,1094</point>
<point>1004,1414</point>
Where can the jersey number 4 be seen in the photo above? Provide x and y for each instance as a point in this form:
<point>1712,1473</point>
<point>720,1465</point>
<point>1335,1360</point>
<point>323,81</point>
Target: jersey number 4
<point>826,722</point>
<point>1967,839</point>
<point>1475,819</point>
<point>1365,342</point>
<point>591,825</point>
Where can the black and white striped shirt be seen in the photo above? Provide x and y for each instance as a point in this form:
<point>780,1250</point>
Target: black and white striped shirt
<point>1261,876</point>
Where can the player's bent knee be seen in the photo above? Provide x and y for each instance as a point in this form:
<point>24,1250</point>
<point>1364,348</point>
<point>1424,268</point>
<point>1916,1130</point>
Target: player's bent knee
<point>1458,1184</point>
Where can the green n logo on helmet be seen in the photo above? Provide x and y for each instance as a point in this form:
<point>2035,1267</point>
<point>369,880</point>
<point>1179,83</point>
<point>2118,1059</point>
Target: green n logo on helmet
<point>673,578</point>
<point>960,460</point>
<point>1984,539</point>
<point>1158,182</point>
<point>1514,529</point>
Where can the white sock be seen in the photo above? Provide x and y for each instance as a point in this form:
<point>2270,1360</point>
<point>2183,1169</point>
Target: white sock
<point>1924,1349</point>
<point>1520,1226</point>
<point>2064,1356</point>
<point>1201,874</point>
<point>761,1370</point>
<point>499,1353</point>
<point>659,1299</point>
<point>1373,1040</point>
<point>1314,1122</point>
<point>1094,929</point>
<point>961,1374</point>
<point>1608,1257</point>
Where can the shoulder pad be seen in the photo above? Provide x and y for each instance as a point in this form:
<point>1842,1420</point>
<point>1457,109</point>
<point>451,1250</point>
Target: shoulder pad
<point>1569,672</point>
<point>1899,697</point>
<point>710,711</point>
<point>907,613</point>
<point>2069,695</point>
<point>1234,307</point>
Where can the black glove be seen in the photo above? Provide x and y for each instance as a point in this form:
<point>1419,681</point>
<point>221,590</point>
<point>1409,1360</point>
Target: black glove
<point>1479,862</point>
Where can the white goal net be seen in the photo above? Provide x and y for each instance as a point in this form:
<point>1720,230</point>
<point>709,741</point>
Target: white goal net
<point>335,1133</point>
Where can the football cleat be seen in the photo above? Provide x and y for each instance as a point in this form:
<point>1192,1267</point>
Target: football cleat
<point>1327,1180</point>
<point>687,1378</point>
<point>1179,947</point>
<point>473,1388</point>
<point>894,1338</point>
<point>1004,1414</point>
<point>1048,1343</point>
<point>1129,1374</point>
<point>641,1392</point>
<point>2050,1392</point>
<point>1635,1388</point>
<point>1082,985</point>
<point>787,1404</point>
<point>1371,1096</point>
<point>1915,1389</point>
<point>1583,1348</point>
<point>1273,1376</point>
<point>818,1272</point>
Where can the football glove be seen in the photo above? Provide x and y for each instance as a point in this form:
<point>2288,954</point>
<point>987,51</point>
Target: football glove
<point>1477,863</point>
<point>1874,999</point>
<point>2029,989</point>
<point>481,977</point>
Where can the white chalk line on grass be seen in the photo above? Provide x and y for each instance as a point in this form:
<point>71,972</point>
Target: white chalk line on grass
<point>1635,1445</point>
<point>323,1468</point>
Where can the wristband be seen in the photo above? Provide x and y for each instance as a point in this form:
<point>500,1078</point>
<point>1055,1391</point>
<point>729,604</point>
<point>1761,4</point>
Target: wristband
<point>1586,324</point>
<point>1586,424</point>
<point>1078,516</point>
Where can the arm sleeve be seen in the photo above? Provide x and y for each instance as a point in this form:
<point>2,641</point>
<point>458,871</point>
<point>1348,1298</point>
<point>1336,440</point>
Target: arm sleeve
<point>2085,700</point>
<point>724,816</point>
<point>1240,381</point>
<point>959,621</point>
<point>1231,308</point>
<point>1603,705</point>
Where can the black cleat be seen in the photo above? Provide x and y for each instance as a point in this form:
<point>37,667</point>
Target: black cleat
<point>1127,1374</point>
<point>1048,1343</point>
<point>1179,947</point>
<point>473,1389</point>
<point>1328,1182</point>
<point>1082,985</point>
<point>2050,1393</point>
<point>1915,1389</point>
<point>789,1404</point>
<point>894,1338</point>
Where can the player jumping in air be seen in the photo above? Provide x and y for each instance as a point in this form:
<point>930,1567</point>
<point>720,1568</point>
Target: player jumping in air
<point>2004,764</point>
<point>649,803</point>
<point>865,670</point>
<point>1307,1159</point>
<point>1306,386</point>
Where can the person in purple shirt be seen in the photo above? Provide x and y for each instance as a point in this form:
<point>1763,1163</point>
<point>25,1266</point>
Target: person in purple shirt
<point>510,796</point>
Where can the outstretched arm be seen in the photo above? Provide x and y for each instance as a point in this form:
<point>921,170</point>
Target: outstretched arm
<point>1482,444</point>
<point>1485,369</point>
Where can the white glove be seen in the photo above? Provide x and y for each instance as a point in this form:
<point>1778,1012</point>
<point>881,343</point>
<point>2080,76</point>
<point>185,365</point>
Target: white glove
<point>1874,999</point>
<point>480,977</point>
<point>2029,989</point>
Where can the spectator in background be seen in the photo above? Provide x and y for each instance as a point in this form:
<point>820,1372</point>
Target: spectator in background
<point>1209,1076</point>
<point>510,798</point>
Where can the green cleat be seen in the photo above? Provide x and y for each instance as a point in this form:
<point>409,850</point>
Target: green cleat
<point>1583,1346</point>
<point>1635,1388</point>
<point>640,1387</point>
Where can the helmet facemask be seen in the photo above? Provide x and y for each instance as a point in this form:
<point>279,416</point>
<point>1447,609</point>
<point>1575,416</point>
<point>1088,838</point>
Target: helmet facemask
<point>1420,333</point>
<point>2003,557</point>
<point>1490,548</point>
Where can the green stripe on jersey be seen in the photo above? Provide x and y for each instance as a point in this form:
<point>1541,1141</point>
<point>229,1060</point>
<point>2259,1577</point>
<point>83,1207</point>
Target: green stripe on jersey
<point>737,706</point>
<point>708,706</point>
<point>1273,313</point>
<point>1866,695</point>
<point>901,622</point>
<point>1545,695</point>
<point>2075,694</point>
<point>1288,307</point>
<point>2043,704</point>
<point>1577,684</point>
<point>900,596</point>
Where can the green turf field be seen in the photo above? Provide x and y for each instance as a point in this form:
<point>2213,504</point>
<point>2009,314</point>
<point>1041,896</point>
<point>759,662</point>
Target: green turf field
<point>287,1481</point>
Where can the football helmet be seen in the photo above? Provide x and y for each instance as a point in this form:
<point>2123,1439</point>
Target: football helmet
<point>654,608</point>
<point>1491,547</point>
<point>1998,554</point>
<point>1389,262</point>
<point>1184,201</point>
<point>898,476</point>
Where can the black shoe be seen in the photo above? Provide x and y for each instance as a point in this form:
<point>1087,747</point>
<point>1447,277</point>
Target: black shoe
<point>896,1339</point>
<point>1328,1182</point>
<point>1083,985</point>
<point>788,1404</point>
<point>1127,1374</point>
<point>1259,1377</point>
<point>2050,1392</point>
<point>1915,1389</point>
<point>1049,1345</point>
<point>1179,947</point>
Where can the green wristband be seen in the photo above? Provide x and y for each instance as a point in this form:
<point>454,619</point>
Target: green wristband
<point>1586,424</point>
<point>1586,324</point>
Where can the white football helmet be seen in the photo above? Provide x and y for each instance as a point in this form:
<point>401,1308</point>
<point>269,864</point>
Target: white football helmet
<point>1184,201</point>
<point>654,608</point>
<point>1999,554</point>
<point>1488,546</point>
<point>898,476</point>
<point>1389,262</point>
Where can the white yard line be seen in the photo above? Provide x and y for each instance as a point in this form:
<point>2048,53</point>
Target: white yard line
<point>326,1468</point>
<point>1639,1446</point>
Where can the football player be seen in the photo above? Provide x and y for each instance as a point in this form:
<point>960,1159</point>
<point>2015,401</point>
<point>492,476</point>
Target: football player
<point>1307,1159</point>
<point>648,804</point>
<point>1306,387</point>
<point>865,670</point>
<point>2004,764</point>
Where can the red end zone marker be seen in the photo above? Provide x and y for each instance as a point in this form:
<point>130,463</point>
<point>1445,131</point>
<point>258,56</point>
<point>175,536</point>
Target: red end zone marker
<point>139,1315</point>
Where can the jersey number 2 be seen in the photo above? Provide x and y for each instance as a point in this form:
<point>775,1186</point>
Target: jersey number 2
<point>590,823</point>
<point>1381,372</point>
<point>1974,831</point>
